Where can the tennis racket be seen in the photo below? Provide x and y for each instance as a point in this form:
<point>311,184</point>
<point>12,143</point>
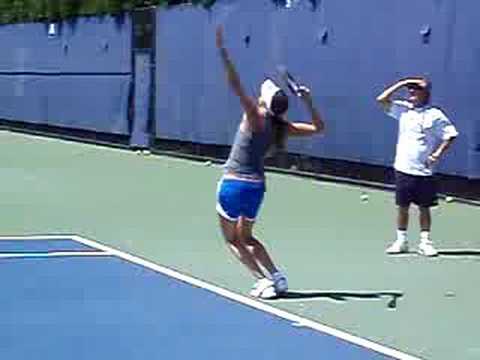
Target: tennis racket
<point>293,85</point>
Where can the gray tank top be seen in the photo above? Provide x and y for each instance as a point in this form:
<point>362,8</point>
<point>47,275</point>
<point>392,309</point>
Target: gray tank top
<point>248,151</point>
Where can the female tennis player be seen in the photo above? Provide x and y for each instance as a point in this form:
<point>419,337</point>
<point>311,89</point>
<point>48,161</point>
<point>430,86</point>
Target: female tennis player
<point>263,128</point>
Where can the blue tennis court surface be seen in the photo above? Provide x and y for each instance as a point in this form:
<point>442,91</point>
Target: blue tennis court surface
<point>105,307</point>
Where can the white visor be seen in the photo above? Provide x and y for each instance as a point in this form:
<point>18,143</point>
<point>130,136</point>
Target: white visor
<point>267,90</point>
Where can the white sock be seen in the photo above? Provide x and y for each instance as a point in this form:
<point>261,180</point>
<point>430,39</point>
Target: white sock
<point>402,235</point>
<point>424,236</point>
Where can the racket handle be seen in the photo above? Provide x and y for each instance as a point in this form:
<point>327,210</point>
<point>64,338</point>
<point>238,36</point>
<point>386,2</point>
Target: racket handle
<point>294,87</point>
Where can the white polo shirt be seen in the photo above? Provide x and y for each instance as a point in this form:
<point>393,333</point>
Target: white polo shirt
<point>420,132</point>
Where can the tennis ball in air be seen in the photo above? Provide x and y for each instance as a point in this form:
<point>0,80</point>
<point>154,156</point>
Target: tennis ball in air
<point>208,163</point>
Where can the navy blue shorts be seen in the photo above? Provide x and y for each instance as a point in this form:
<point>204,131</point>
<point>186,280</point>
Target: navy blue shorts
<point>236,198</point>
<point>420,190</point>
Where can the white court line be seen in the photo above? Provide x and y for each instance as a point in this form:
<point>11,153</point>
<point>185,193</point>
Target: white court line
<point>296,320</point>
<point>52,254</point>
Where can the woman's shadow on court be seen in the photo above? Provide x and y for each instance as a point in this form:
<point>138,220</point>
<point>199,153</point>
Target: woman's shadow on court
<point>391,297</point>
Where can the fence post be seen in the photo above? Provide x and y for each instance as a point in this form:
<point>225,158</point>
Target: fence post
<point>143,57</point>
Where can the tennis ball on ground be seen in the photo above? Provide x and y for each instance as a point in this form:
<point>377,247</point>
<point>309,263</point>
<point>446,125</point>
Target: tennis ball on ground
<point>364,197</point>
<point>449,199</point>
<point>207,163</point>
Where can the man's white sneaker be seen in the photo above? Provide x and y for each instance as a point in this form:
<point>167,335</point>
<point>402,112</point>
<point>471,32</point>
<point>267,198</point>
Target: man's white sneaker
<point>398,247</point>
<point>264,289</point>
<point>426,249</point>
<point>280,283</point>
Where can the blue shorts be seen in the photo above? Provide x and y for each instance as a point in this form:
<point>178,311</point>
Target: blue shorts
<point>237,198</point>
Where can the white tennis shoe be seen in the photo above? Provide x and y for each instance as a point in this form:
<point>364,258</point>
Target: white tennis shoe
<point>264,289</point>
<point>426,248</point>
<point>398,247</point>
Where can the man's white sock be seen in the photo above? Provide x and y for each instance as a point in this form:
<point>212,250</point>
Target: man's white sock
<point>402,235</point>
<point>424,236</point>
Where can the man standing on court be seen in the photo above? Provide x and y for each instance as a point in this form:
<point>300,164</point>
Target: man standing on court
<point>424,134</point>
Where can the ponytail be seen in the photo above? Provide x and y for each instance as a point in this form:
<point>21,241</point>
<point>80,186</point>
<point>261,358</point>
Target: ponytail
<point>279,133</point>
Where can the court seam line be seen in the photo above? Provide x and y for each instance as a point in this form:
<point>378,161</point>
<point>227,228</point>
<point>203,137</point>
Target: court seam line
<point>295,319</point>
<point>52,254</point>
<point>39,237</point>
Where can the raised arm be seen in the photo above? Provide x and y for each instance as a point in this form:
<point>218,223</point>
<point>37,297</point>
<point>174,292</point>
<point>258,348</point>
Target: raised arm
<point>385,98</point>
<point>316,124</point>
<point>247,102</point>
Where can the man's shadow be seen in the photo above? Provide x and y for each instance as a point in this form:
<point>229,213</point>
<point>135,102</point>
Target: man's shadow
<point>342,296</point>
<point>446,253</point>
<point>459,252</point>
